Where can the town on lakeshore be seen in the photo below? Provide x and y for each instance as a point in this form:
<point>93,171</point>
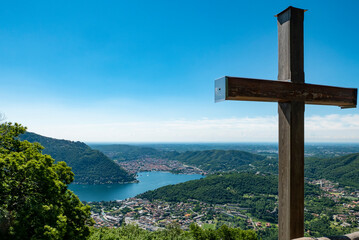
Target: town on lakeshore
<point>155,215</point>
<point>154,164</point>
<point>235,188</point>
<point>239,189</point>
<point>331,204</point>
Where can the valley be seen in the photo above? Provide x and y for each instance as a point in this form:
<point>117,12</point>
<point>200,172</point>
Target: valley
<point>239,190</point>
<point>331,198</point>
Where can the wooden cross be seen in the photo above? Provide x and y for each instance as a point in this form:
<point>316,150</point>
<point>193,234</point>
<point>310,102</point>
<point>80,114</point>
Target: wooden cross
<point>292,94</point>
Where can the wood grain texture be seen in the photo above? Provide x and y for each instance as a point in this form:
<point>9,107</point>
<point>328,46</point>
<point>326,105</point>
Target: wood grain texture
<point>291,169</point>
<point>282,91</point>
<point>291,122</point>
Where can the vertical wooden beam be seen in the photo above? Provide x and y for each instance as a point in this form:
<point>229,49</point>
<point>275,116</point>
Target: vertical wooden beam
<point>291,126</point>
<point>291,170</point>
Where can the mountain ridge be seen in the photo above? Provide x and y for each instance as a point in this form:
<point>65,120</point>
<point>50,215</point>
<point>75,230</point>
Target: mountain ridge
<point>89,166</point>
<point>343,169</point>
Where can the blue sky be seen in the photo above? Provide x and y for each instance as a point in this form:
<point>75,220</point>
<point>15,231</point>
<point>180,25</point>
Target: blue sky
<point>144,71</point>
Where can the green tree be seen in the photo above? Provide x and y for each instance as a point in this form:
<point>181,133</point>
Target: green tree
<point>222,233</point>
<point>35,202</point>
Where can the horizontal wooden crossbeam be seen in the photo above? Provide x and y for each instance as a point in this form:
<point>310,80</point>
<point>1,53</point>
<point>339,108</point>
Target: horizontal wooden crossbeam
<point>247,89</point>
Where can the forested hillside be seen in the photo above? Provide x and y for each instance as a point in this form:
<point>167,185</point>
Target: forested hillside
<point>122,152</point>
<point>217,188</point>
<point>217,160</point>
<point>208,160</point>
<point>174,232</point>
<point>89,166</point>
<point>255,192</point>
<point>344,170</point>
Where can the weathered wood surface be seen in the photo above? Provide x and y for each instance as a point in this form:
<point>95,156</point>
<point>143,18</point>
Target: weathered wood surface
<point>248,89</point>
<point>291,170</point>
<point>291,125</point>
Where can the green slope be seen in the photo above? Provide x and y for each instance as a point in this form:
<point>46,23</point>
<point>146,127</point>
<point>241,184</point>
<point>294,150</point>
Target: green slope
<point>344,170</point>
<point>89,166</point>
<point>209,160</point>
<point>123,152</point>
<point>257,193</point>
<point>217,160</point>
<point>217,188</point>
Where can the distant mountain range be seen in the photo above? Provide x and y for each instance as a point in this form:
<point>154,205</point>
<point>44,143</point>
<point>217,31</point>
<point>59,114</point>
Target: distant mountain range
<point>343,169</point>
<point>89,166</point>
<point>208,160</point>
<point>123,152</point>
<point>217,160</point>
<point>94,166</point>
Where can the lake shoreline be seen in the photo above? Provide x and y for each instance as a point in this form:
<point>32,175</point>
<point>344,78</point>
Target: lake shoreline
<point>149,180</point>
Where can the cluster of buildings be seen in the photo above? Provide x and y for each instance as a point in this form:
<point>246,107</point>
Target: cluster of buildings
<point>154,215</point>
<point>158,214</point>
<point>155,164</point>
<point>345,200</point>
<point>327,186</point>
<point>333,191</point>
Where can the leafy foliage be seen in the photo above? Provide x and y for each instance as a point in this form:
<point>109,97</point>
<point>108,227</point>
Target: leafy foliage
<point>173,232</point>
<point>321,226</point>
<point>90,166</point>
<point>34,200</point>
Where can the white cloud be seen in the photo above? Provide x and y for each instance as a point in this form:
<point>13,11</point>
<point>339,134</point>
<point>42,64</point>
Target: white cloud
<point>114,124</point>
<point>329,128</point>
<point>333,128</point>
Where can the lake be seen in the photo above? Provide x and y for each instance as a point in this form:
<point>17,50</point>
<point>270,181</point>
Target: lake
<point>147,181</point>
